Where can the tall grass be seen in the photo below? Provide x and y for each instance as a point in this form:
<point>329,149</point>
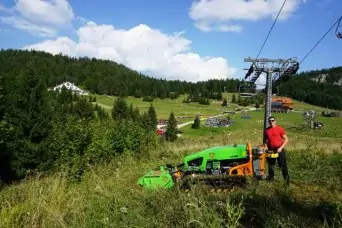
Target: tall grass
<point>108,196</point>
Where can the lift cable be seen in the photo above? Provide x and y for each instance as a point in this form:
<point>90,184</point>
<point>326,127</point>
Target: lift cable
<point>320,40</point>
<point>269,32</point>
<point>271,29</point>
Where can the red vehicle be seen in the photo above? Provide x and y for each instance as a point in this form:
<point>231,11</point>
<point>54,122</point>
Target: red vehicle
<point>160,132</point>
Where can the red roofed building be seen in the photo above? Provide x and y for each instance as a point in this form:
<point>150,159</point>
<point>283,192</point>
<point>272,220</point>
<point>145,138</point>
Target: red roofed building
<point>281,104</point>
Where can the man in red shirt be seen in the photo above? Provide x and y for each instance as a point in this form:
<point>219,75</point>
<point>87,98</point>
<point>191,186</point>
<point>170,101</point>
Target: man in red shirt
<point>275,141</point>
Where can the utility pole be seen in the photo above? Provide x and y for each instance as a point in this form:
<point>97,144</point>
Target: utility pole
<point>277,71</point>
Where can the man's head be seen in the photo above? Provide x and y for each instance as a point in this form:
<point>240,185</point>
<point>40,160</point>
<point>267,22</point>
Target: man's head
<point>272,121</point>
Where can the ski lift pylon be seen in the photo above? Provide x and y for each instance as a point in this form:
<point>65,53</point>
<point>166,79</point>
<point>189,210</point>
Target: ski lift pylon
<point>339,28</point>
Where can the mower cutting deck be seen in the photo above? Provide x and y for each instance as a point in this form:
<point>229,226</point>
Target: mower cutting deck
<point>217,168</point>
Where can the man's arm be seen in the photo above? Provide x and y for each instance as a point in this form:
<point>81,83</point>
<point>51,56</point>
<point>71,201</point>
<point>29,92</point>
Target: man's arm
<point>286,140</point>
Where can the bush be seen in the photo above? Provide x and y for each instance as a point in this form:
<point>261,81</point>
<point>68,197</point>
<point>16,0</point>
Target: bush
<point>224,103</point>
<point>69,142</point>
<point>127,136</point>
<point>197,123</point>
<point>171,129</point>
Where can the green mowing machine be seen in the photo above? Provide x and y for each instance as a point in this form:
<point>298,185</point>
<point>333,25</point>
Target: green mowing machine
<point>219,168</point>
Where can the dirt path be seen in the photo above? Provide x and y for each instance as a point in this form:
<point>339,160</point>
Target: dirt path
<point>190,122</point>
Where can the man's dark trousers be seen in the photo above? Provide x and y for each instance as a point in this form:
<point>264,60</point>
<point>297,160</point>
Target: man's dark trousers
<point>281,159</point>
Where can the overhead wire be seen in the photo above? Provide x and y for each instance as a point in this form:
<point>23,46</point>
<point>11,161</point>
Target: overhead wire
<point>317,43</point>
<point>269,32</point>
<point>320,40</point>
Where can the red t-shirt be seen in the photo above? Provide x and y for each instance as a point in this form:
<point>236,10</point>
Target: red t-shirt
<point>274,136</point>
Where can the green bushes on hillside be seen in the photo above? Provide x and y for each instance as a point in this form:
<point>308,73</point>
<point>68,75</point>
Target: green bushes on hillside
<point>45,131</point>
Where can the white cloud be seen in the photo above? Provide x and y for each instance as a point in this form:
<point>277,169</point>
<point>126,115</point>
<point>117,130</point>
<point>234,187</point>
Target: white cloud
<point>28,26</point>
<point>214,13</point>
<point>207,27</point>
<point>38,17</point>
<point>143,49</point>
<point>53,12</point>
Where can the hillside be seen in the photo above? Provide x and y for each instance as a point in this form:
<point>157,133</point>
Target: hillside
<point>102,77</point>
<point>319,87</point>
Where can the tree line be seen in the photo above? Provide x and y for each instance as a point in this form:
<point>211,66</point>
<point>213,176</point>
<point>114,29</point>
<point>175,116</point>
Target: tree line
<point>105,77</point>
<point>305,87</point>
<point>110,78</point>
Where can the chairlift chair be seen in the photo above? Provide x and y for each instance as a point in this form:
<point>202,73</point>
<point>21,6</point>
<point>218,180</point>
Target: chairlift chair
<point>339,28</point>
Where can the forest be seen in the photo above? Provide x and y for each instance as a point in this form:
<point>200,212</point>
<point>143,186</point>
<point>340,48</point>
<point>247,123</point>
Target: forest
<point>303,87</point>
<point>104,77</point>
<point>110,78</point>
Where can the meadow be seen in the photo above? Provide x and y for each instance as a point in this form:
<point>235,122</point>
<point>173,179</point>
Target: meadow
<point>165,106</point>
<point>108,195</point>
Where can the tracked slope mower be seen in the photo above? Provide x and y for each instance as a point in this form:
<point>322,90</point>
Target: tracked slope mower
<point>218,168</point>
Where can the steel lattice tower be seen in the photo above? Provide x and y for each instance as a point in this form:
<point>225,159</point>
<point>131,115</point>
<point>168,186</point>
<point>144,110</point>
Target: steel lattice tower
<point>277,71</point>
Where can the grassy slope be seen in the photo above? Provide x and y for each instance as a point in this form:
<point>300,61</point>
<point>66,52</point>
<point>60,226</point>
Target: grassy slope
<point>164,107</point>
<point>252,129</point>
<point>108,195</point>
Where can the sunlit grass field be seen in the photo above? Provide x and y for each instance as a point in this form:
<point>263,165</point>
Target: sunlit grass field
<point>166,106</point>
<point>242,130</point>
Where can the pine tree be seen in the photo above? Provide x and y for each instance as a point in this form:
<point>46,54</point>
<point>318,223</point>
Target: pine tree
<point>65,96</point>
<point>101,112</point>
<point>224,103</point>
<point>120,109</point>
<point>152,117</point>
<point>171,129</point>
<point>131,110</point>
<point>145,120</point>
<point>234,98</point>
<point>75,96</point>
<point>257,104</point>
<point>64,106</point>
<point>30,118</point>
<point>136,115</point>
<point>197,123</point>
<point>84,109</point>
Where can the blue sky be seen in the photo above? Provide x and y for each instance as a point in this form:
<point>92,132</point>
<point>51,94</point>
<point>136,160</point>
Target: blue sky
<point>291,37</point>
